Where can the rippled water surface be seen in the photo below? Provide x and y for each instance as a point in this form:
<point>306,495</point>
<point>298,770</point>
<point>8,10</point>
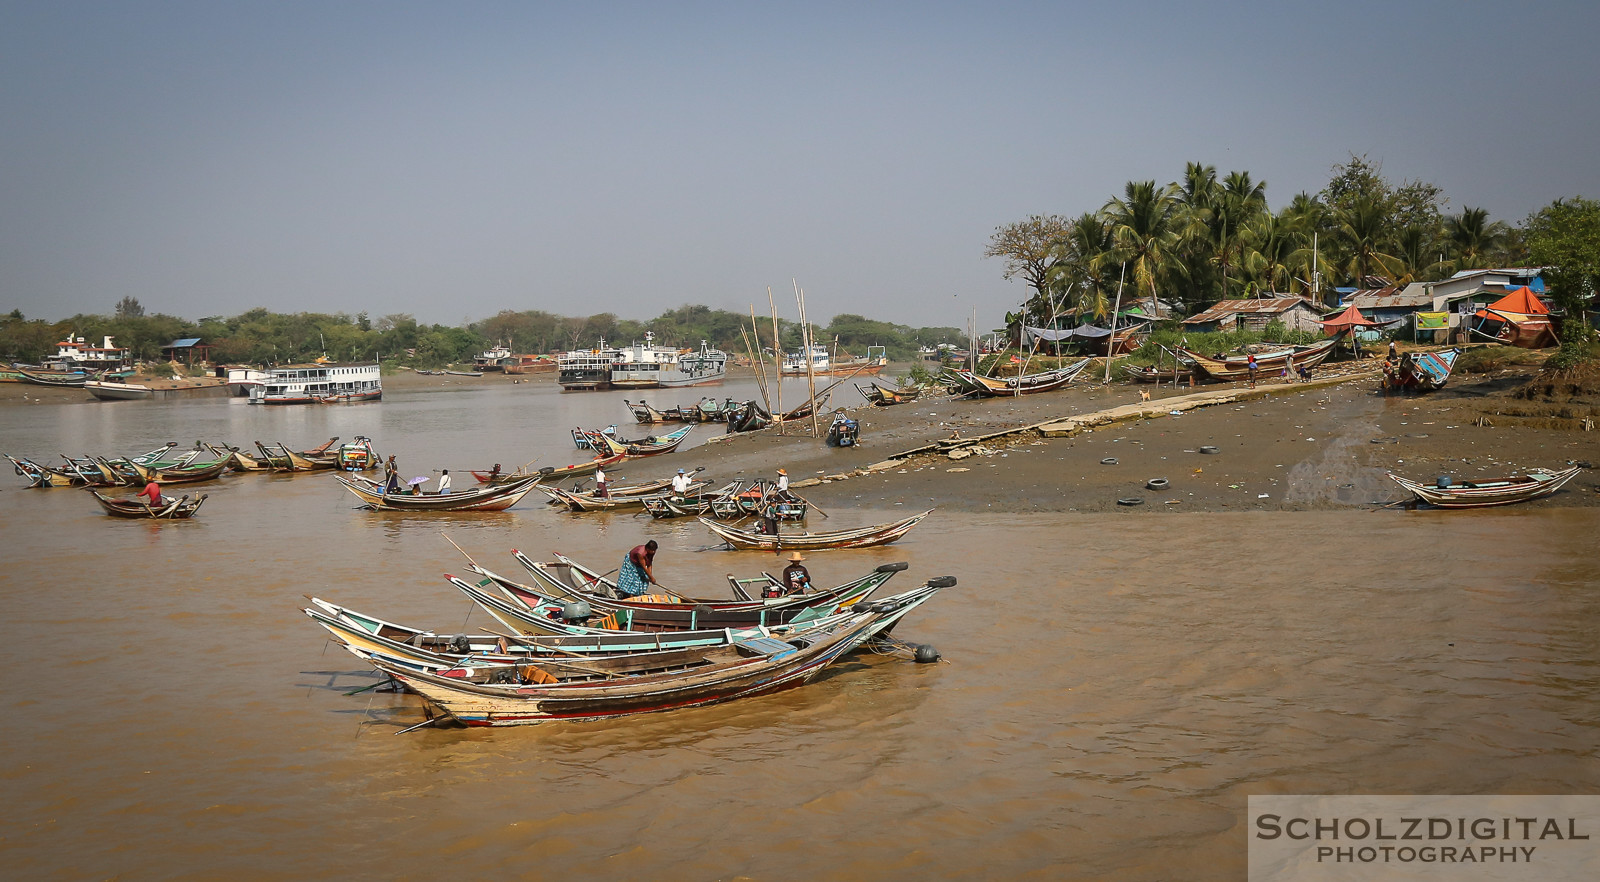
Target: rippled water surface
<point>1110,696</point>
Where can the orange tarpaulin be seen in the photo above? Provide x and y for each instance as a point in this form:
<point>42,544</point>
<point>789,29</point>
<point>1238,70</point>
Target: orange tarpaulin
<point>1520,302</point>
<point>1344,321</point>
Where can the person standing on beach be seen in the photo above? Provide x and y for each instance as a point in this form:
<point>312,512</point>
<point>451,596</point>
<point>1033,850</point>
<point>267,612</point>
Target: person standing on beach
<point>637,572</point>
<point>1252,370</point>
<point>1288,368</point>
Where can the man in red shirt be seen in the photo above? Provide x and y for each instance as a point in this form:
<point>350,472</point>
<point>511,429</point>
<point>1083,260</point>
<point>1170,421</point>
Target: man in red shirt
<point>153,491</point>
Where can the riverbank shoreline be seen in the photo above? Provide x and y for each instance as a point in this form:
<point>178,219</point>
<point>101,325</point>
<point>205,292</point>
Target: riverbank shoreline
<point>1326,444</point>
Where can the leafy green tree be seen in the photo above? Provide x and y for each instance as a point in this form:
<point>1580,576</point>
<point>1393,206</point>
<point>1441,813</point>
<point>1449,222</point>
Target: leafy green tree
<point>1564,237</point>
<point>129,307</point>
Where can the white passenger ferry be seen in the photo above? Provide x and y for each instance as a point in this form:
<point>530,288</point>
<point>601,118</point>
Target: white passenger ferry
<point>648,366</point>
<point>319,383</point>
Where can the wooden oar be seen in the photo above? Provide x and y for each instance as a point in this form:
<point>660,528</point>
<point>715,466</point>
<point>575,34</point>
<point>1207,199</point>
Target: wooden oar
<point>807,502</point>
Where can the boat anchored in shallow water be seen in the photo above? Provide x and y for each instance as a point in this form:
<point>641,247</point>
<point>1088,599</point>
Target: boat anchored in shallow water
<point>648,366</point>
<point>319,383</point>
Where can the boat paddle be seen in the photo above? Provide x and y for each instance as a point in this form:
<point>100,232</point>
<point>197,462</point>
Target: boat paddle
<point>808,502</point>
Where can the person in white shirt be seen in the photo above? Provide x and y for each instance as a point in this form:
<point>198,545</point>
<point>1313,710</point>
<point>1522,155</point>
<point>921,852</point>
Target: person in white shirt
<point>600,483</point>
<point>680,484</point>
<point>783,482</point>
<point>444,482</point>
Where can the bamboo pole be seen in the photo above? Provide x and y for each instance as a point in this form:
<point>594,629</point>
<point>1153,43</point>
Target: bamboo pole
<point>777,361</point>
<point>805,348</point>
<point>1115,308</point>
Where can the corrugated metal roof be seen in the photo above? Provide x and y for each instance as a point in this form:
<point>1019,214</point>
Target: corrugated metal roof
<point>185,343</point>
<point>1223,309</point>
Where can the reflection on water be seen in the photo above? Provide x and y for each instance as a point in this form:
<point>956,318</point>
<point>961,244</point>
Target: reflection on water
<point>1108,702</point>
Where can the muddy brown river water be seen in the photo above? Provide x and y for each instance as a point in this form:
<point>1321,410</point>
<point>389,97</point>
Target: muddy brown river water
<point>1112,691</point>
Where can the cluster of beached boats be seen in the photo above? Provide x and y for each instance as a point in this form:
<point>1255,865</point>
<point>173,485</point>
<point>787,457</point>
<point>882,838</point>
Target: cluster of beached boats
<point>571,646</point>
<point>204,462</point>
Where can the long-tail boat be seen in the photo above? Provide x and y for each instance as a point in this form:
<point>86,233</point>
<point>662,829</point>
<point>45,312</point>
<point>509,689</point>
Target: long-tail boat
<point>1237,367</point>
<point>169,509</point>
<point>1419,371</point>
<point>491,498</point>
<point>879,396</point>
<point>537,693</point>
<point>1444,493</point>
<point>861,537</point>
<point>970,383</point>
<point>651,446</point>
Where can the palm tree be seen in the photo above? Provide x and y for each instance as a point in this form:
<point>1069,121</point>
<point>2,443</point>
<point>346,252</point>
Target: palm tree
<point>1141,233</point>
<point>1240,201</point>
<point>1361,228</point>
<point>1472,237</point>
<point>1268,248</point>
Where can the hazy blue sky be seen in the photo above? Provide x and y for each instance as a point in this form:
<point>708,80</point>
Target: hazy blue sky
<point>454,159</point>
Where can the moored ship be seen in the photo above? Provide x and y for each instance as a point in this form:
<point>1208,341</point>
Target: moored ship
<point>319,383</point>
<point>584,370</point>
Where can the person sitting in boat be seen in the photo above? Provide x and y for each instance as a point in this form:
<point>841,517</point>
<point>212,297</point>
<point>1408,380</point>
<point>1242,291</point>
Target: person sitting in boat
<point>494,472</point>
<point>637,573</point>
<point>152,491</point>
<point>796,578</point>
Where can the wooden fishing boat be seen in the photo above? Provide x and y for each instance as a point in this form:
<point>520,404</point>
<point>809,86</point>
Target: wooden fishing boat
<point>651,446</point>
<point>557,473</point>
<point>644,413</point>
<point>752,501</point>
<point>1237,367</point>
<point>566,578</point>
<point>1027,384</point>
<point>861,537</point>
<point>52,378</point>
<point>618,489</point>
<point>170,509</point>
<point>44,476</point>
<point>189,473</point>
<point>694,504</point>
<point>240,461</point>
<point>365,635</point>
<point>582,502</point>
<point>538,693</point>
<point>879,396</point>
<point>492,498</point>
<point>1148,374</point>
<point>1418,372</point>
<point>529,610</point>
<point>1481,494</point>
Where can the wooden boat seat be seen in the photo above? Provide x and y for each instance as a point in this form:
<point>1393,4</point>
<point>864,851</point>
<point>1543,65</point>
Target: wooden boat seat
<point>770,647</point>
<point>658,598</point>
<point>535,674</point>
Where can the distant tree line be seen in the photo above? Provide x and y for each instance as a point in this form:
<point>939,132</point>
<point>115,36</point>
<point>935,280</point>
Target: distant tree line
<point>1206,238</point>
<point>262,337</point>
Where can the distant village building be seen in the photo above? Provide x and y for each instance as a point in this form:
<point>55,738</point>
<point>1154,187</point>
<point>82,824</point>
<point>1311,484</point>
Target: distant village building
<point>188,350</point>
<point>73,353</point>
<point>1440,311</point>
<point>1296,313</point>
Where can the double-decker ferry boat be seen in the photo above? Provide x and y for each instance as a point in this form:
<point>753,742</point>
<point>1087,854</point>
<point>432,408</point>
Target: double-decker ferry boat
<point>584,370</point>
<point>319,383</point>
<point>823,365</point>
<point>647,366</point>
